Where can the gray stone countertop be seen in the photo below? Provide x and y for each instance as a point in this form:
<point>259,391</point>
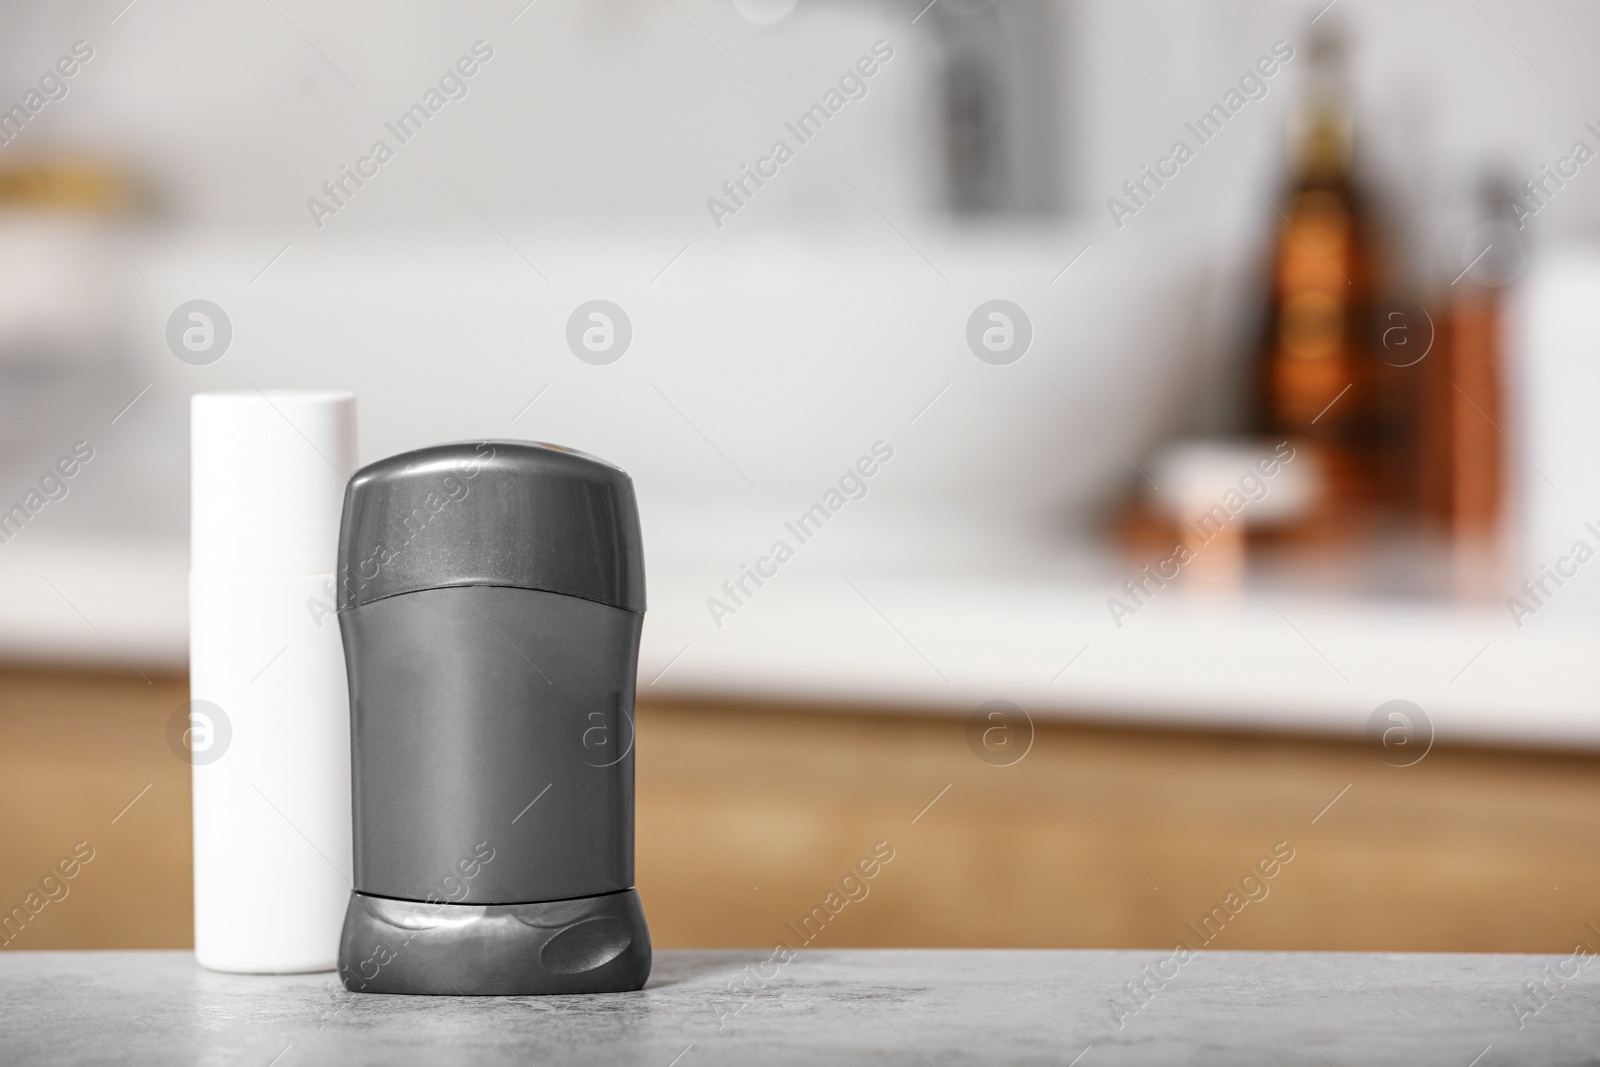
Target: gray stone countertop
<point>850,1006</point>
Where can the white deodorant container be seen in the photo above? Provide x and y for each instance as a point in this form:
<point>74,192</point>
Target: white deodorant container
<point>269,735</point>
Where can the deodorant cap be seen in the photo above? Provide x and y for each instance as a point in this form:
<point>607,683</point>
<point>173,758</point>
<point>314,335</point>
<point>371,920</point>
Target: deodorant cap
<point>510,513</point>
<point>267,472</point>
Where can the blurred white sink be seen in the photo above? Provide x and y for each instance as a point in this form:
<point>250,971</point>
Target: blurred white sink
<point>759,369</point>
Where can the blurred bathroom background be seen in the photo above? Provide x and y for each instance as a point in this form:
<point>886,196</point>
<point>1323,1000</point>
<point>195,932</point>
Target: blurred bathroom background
<point>1201,458</point>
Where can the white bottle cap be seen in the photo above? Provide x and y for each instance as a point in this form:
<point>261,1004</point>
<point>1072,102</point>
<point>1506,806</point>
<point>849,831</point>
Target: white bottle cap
<point>268,471</point>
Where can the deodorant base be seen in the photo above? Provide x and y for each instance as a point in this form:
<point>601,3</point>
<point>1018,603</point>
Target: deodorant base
<point>589,945</point>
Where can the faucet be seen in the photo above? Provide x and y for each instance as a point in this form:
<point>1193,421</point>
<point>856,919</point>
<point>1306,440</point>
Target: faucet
<point>999,101</point>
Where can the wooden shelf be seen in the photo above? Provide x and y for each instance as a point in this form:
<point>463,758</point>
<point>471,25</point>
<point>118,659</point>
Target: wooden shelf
<point>749,816</point>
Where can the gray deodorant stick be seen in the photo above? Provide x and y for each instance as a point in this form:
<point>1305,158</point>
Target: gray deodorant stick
<point>491,596</point>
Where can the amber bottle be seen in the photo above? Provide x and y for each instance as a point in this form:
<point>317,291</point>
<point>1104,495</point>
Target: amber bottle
<point>1316,373</point>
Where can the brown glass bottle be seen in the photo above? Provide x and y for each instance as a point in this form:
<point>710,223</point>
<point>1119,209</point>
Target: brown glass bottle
<point>1317,379</point>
